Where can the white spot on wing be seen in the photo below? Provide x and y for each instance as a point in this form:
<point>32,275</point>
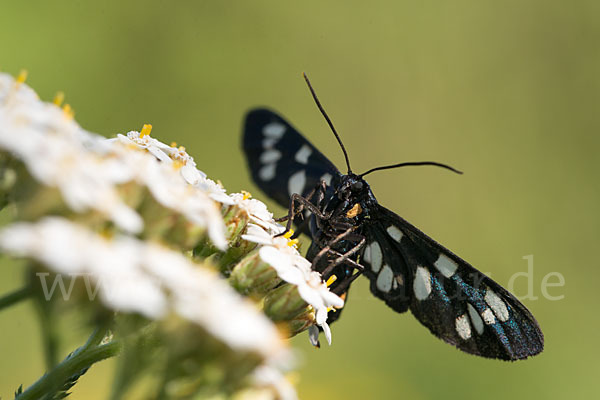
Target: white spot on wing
<point>303,154</point>
<point>297,182</point>
<point>268,143</point>
<point>446,265</point>
<point>475,319</point>
<point>367,253</point>
<point>488,316</point>
<point>274,130</point>
<point>270,156</point>
<point>384,279</point>
<point>267,172</point>
<point>327,178</point>
<point>373,256</point>
<point>422,283</point>
<point>394,284</point>
<point>497,305</point>
<point>394,233</point>
<point>463,327</point>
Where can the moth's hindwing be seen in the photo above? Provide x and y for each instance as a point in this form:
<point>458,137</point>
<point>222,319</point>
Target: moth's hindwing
<point>281,160</point>
<point>460,305</point>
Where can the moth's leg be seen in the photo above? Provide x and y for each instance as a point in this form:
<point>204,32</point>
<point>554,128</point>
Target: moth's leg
<point>304,202</point>
<point>319,190</point>
<point>328,247</point>
<point>345,260</point>
<point>339,225</point>
<point>322,186</point>
<point>320,222</point>
<point>291,207</point>
<point>342,258</point>
<point>292,212</point>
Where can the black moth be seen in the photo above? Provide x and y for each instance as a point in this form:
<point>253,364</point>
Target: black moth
<point>352,235</point>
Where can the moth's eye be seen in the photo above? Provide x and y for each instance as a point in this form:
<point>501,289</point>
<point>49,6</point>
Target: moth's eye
<point>356,186</point>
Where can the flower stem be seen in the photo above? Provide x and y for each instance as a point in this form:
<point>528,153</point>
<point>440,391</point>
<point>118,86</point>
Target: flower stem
<point>15,297</point>
<point>76,362</point>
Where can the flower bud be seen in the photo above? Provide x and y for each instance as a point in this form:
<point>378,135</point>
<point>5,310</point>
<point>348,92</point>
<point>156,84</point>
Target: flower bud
<point>284,303</point>
<point>253,277</point>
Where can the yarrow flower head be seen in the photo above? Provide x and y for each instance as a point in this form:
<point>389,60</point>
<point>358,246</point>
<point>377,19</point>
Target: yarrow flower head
<point>281,253</point>
<point>147,278</point>
<point>134,221</point>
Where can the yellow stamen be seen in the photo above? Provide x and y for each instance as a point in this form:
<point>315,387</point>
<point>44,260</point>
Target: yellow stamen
<point>178,164</point>
<point>173,144</point>
<point>146,129</point>
<point>68,111</point>
<point>293,243</point>
<point>354,211</point>
<point>246,195</point>
<point>289,234</point>
<point>22,77</point>
<point>59,97</point>
<point>331,279</point>
<point>181,149</point>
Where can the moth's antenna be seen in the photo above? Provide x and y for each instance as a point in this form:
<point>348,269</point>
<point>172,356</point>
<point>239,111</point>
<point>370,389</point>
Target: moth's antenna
<point>406,164</point>
<point>314,95</point>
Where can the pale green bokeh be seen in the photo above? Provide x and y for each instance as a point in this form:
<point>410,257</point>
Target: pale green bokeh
<point>506,91</point>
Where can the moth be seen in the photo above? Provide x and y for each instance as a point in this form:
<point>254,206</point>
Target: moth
<point>353,235</point>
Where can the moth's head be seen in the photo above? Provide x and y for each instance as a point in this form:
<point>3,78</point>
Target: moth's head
<point>352,186</point>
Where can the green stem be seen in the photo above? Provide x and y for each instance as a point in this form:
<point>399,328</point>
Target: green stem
<point>95,338</point>
<point>15,297</point>
<point>82,358</point>
<point>49,328</point>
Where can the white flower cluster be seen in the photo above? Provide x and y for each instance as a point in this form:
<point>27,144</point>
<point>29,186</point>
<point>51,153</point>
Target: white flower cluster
<point>146,278</point>
<point>87,170</point>
<point>90,173</point>
<point>128,274</point>
<point>281,254</point>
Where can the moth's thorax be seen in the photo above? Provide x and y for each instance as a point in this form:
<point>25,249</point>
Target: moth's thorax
<point>354,197</point>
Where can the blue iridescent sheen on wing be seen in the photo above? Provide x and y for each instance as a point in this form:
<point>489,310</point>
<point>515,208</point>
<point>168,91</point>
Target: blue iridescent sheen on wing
<point>499,327</point>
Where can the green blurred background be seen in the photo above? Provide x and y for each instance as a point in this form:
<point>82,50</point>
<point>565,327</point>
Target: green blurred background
<point>506,91</point>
